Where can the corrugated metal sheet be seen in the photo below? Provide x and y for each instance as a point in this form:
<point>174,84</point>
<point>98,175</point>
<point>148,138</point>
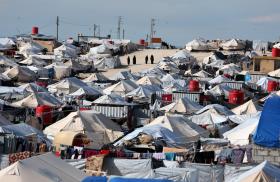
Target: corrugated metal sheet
<point>111,111</point>
<point>255,78</point>
<point>234,85</point>
<point>178,95</point>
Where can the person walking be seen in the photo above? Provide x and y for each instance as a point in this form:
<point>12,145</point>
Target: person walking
<point>134,60</point>
<point>146,59</point>
<point>128,60</point>
<point>152,59</point>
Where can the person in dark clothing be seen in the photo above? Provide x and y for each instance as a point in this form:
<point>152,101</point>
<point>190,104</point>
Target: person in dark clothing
<point>134,60</point>
<point>128,60</point>
<point>146,59</point>
<point>152,59</point>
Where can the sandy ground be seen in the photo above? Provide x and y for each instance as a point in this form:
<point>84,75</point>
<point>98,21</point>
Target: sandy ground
<point>140,59</point>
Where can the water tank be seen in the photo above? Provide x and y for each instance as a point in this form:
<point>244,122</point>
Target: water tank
<point>236,97</point>
<point>275,52</point>
<point>45,113</point>
<point>166,97</point>
<point>35,30</point>
<point>42,83</point>
<point>193,86</point>
<point>142,42</point>
<point>271,86</point>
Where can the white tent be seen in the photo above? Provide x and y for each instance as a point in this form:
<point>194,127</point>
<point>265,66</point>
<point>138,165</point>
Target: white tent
<point>181,126</point>
<point>43,168</point>
<point>111,99</point>
<point>60,70</point>
<point>7,43</point>
<point>202,74</point>
<point>4,61</point>
<point>238,119</point>
<point>32,87</point>
<point>103,49</point>
<point>149,80</point>
<point>233,44</point>
<point>275,73</point>
<point>230,69</point>
<point>96,77</point>
<point>30,48</point>
<point>211,115</point>
<point>183,105</point>
<point>67,86</point>
<point>155,71</point>
<point>219,79</point>
<point>264,172</point>
<point>66,51</point>
<point>78,65</point>
<point>121,88</point>
<point>38,99</point>
<point>86,91</point>
<point>277,46</point>
<point>97,127</point>
<point>107,62</point>
<point>124,75</point>
<point>240,134</point>
<point>197,45</point>
<point>143,92</point>
<point>174,87</point>
<point>219,90</point>
<point>21,74</point>
<point>31,60</point>
<point>168,66</point>
<point>249,107</point>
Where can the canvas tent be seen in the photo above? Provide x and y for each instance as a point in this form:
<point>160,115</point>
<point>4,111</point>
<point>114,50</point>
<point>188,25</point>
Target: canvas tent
<point>240,134</point>
<point>38,99</point>
<point>96,77</point>
<point>275,73</point>
<point>197,45</point>
<point>21,74</point>
<point>66,51</point>
<point>107,63</point>
<point>32,87</point>
<point>67,86</point>
<point>219,79</point>
<point>60,70</point>
<point>121,88</point>
<point>219,90</point>
<point>6,62</point>
<point>233,44</point>
<point>78,66</point>
<point>180,125</point>
<point>43,168</point>
<point>267,132</point>
<point>202,74</point>
<point>143,92</point>
<point>149,80</point>
<point>111,99</point>
<point>229,69</point>
<point>183,105</point>
<point>86,91</point>
<point>124,75</point>
<point>30,48</point>
<point>31,60</point>
<point>97,127</point>
<point>7,43</point>
<point>264,172</point>
<point>249,107</point>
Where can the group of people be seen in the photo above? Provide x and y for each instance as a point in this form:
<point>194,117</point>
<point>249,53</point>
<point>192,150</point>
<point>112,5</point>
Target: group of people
<point>146,59</point>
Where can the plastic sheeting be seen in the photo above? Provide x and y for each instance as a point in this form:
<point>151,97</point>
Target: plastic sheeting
<point>231,172</point>
<point>134,168</point>
<point>268,130</point>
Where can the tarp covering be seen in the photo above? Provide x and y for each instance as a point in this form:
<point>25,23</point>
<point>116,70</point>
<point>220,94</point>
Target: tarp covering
<point>149,80</point>
<point>111,99</point>
<point>233,44</point>
<point>219,90</point>
<point>121,88</point>
<point>31,60</point>
<point>67,86</point>
<point>135,168</point>
<point>230,69</point>
<point>231,172</point>
<point>4,121</point>
<point>202,74</point>
<point>219,79</point>
<point>206,172</point>
<point>95,77</point>
<point>264,172</point>
<point>176,174</point>
<point>43,168</point>
<point>268,130</point>
<point>20,73</point>
<point>197,45</point>
<point>124,75</point>
<point>107,62</point>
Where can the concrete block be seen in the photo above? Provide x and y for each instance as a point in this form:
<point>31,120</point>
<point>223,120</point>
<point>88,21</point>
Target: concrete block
<point>274,153</point>
<point>262,152</point>
<point>258,158</point>
<point>269,158</point>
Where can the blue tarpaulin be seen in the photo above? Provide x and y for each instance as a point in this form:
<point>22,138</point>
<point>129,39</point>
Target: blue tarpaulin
<point>95,179</point>
<point>267,133</point>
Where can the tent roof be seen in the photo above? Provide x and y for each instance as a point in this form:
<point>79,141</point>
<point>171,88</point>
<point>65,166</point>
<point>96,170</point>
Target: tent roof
<point>264,172</point>
<point>96,77</point>
<point>32,87</point>
<point>43,168</point>
<point>31,60</point>
<point>122,87</point>
<point>183,105</point>
<point>66,137</point>
<point>202,74</point>
<point>38,99</point>
<point>86,90</point>
<point>249,107</point>
<point>218,90</point>
<point>219,79</point>
<point>111,99</point>
<point>149,80</point>
<point>67,85</point>
<point>181,126</point>
<point>4,121</point>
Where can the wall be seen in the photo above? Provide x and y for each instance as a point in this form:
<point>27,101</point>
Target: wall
<point>267,66</point>
<point>47,44</point>
<point>261,154</point>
